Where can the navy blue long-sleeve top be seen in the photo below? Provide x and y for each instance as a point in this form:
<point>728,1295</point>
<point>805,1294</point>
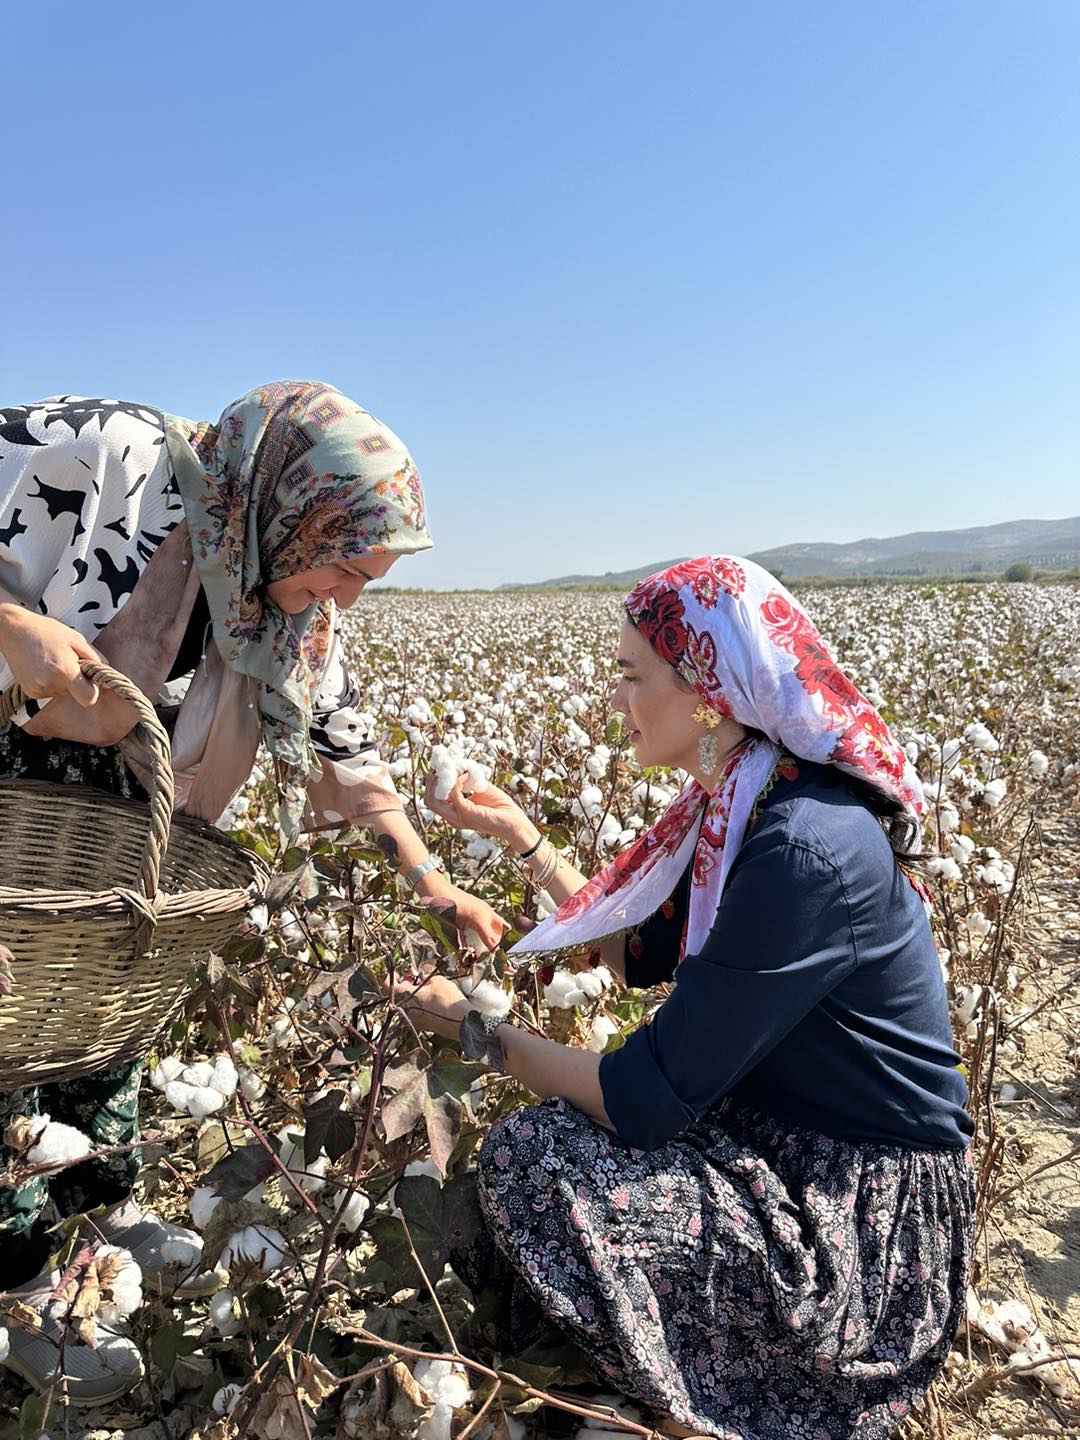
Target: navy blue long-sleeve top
<point>817,998</point>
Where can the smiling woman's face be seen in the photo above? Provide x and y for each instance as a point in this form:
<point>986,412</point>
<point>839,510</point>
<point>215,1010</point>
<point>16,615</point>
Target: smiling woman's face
<point>341,582</point>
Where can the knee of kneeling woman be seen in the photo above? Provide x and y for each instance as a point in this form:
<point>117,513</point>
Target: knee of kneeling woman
<point>512,1143</point>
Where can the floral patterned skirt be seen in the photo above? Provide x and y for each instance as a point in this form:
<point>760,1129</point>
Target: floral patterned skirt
<point>753,1280</point>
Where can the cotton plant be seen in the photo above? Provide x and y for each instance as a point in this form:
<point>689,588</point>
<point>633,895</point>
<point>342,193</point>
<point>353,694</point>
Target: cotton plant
<point>1010,1325</point>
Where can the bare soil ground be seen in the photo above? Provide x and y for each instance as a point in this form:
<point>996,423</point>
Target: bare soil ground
<point>1032,1247</point>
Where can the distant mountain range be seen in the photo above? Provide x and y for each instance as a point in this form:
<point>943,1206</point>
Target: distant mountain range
<point>1046,544</point>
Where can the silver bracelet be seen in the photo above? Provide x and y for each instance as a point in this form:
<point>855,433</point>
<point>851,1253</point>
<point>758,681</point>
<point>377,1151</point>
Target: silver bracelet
<point>548,865</point>
<point>416,874</point>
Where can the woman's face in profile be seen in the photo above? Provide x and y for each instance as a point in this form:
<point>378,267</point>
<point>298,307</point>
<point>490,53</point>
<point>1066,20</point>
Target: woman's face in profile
<point>656,707</point>
<point>341,582</point>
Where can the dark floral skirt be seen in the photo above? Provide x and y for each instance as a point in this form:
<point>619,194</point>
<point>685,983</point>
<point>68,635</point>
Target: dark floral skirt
<point>753,1280</point>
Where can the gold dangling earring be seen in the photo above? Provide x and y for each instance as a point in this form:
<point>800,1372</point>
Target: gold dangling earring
<point>708,750</point>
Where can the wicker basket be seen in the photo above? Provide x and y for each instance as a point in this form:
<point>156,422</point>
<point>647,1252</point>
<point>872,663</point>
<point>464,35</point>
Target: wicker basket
<point>105,906</point>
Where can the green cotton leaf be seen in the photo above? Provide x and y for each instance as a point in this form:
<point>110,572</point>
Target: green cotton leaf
<point>362,984</point>
<point>391,1264</point>
<point>299,880</point>
<point>328,1127</point>
<point>32,1413</point>
<point>234,1175</point>
<point>439,1220</point>
<point>169,1343</point>
<point>454,1076</point>
<point>388,846</point>
<point>419,1095</point>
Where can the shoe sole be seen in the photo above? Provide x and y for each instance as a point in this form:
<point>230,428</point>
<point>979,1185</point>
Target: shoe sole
<point>75,1402</point>
<point>153,1280</point>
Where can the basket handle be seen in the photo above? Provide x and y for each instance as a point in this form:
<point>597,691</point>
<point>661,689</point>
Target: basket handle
<point>145,901</point>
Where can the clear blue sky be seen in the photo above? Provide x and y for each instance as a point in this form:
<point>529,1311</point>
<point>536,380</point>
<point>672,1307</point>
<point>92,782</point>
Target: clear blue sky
<point>631,280</point>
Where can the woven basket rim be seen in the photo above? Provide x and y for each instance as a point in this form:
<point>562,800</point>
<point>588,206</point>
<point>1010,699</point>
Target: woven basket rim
<point>137,809</point>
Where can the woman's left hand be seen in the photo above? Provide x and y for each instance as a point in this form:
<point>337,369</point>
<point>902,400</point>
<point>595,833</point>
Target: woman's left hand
<point>436,1005</point>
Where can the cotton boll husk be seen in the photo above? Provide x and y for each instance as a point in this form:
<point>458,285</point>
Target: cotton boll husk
<point>55,1142</point>
<point>223,1314</point>
<point>125,1289</point>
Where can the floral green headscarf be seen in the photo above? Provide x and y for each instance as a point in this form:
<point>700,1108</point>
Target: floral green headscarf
<point>292,476</point>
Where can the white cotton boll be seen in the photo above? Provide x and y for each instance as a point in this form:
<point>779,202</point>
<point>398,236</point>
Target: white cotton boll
<point>610,833</point>
<point>170,1067</point>
<point>201,1073</point>
<point>590,983</point>
<point>951,754</point>
<point>205,1101</point>
<point>226,1399</point>
<point>225,1076</point>
<point>55,1142</point>
<point>311,1178</point>
<point>354,1212</point>
<point>125,1287</point>
<point>481,848</point>
<point>943,867</point>
<point>994,792</point>
<point>445,1382</point>
<point>486,996</point>
<point>202,1205</point>
<point>223,1314</point>
<point>252,1085</point>
<point>5,1344</point>
<point>994,877</point>
<point>978,735</point>
<point>563,991</point>
<point>1038,764</point>
<point>603,1028</point>
<point>254,1245</point>
<point>592,798</point>
<point>178,1093</point>
<point>949,818</point>
<point>180,1252</point>
<point>978,924</point>
<point>625,1409</point>
<point>597,763</point>
<point>968,1000</point>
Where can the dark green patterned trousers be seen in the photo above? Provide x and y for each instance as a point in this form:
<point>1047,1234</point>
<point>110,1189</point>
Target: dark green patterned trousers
<point>105,1105</point>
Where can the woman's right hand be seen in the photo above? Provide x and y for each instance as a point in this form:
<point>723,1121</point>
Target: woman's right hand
<point>44,656</point>
<point>490,811</point>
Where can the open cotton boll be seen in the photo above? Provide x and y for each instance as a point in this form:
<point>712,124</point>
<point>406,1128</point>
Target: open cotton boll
<point>170,1067</point>
<point>1038,764</point>
<point>258,1245</point>
<point>311,1178</point>
<point>564,991</point>
<point>225,1401</point>
<point>205,1101</point>
<point>224,1076</point>
<point>5,1344</point>
<point>603,1028</point>
<point>968,999</point>
<point>223,1314</point>
<point>201,1073</point>
<point>178,1093</point>
<point>55,1142</point>
<point>125,1288</point>
<point>994,792</point>
<point>445,1382</point>
<point>252,1085</point>
<point>356,1208</point>
<point>485,995</point>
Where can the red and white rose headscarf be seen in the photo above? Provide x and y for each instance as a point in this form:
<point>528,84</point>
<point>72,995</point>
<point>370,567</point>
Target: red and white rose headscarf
<point>751,652</point>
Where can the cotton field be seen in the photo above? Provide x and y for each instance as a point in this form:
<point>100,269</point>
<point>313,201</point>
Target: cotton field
<point>296,1125</point>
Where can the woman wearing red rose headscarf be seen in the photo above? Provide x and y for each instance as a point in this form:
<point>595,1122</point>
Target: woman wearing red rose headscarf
<point>756,1215</point>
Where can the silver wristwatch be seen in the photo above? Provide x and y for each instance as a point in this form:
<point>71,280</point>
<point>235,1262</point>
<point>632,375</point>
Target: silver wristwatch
<point>413,877</point>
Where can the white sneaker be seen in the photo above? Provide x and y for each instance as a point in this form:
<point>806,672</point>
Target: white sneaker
<point>86,1376</point>
<point>168,1255</point>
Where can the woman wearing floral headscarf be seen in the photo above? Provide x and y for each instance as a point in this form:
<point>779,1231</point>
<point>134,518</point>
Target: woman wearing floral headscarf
<point>756,1215</point>
<point>206,562</point>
